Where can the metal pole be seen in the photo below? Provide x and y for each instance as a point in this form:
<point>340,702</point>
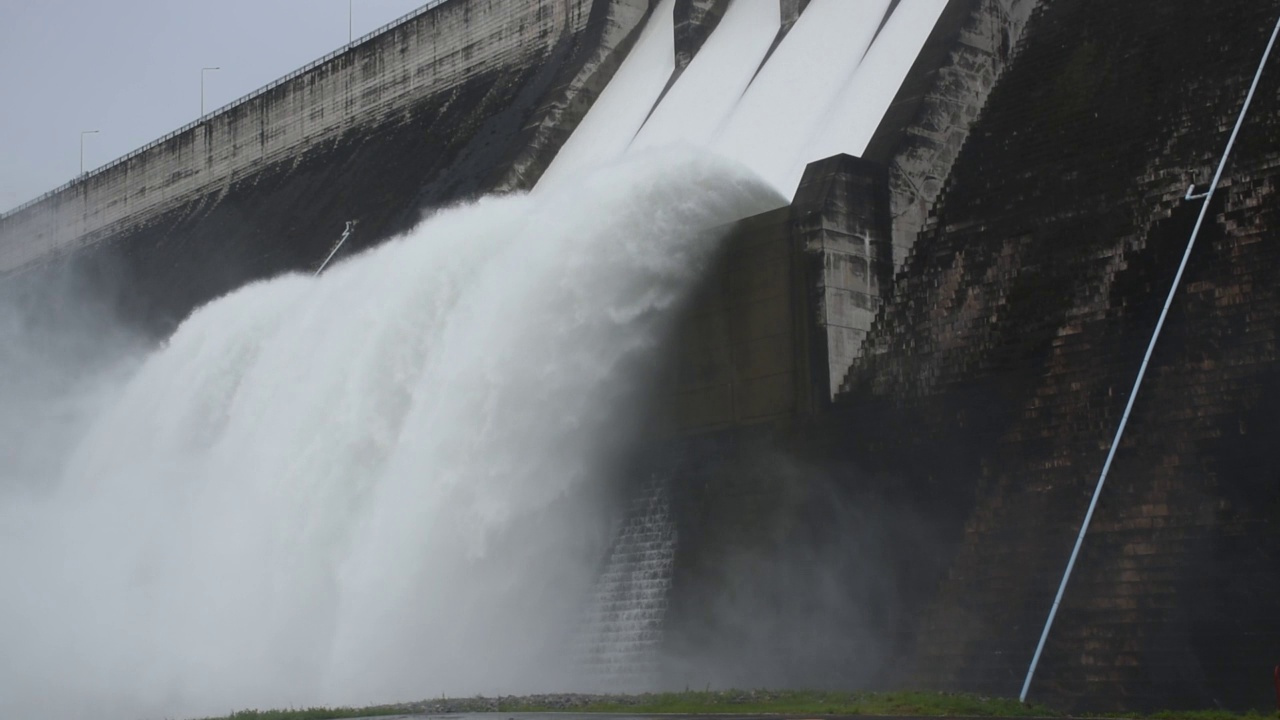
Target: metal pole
<point>202,72</point>
<point>1146,359</point>
<point>82,134</point>
<point>346,233</point>
<point>349,11</point>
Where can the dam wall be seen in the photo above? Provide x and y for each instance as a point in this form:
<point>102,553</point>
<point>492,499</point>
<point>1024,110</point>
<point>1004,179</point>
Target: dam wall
<point>459,98</point>
<point>753,347</point>
<point>929,121</point>
<point>912,533</point>
<point>1016,328</point>
<point>889,401</point>
<point>857,224</point>
<point>916,143</point>
<point>436,50</point>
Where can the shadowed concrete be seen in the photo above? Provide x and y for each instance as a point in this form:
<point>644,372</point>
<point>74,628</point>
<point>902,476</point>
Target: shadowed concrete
<point>467,98</point>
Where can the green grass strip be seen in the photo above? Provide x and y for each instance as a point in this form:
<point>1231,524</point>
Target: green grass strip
<point>316,713</point>
<point>803,702</point>
<point>736,702</point>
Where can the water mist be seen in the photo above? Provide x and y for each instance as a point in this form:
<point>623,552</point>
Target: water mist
<point>375,485</point>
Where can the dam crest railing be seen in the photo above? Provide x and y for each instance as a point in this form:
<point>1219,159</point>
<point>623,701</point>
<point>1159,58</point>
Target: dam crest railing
<point>403,19</point>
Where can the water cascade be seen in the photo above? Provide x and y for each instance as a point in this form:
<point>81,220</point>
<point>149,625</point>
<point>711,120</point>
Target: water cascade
<point>372,485</point>
<point>823,90</point>
<point>623,632</point>
<point>385,482</point>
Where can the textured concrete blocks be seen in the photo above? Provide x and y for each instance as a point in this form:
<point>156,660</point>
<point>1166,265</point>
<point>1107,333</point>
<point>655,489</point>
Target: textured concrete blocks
<point>737,358</point>
<point>841,219</point>
<point>929,120</point>
<point>373,84</point>
<point>773,329</point>
<point>694,22</point>
<point>1024,310</point>
<point>790,12</point>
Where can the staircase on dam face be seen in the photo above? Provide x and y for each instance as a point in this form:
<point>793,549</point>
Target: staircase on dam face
<point>623,630</point>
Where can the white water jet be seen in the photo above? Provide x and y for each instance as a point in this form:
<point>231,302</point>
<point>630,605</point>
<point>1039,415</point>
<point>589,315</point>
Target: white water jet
<point>703,99</point>
<point>790,98</point>
<point>871,90</point>
<point>824,90</point>
<point>370,486</point>
<point>609,127</point>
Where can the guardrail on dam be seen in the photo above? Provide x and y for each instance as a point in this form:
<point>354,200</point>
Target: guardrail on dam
<point>242,99</point>
<point>449,51</point>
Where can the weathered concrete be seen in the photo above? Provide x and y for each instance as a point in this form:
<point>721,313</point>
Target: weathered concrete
<point>929,121</point>
<point>841,220</point>
<point>937,498</point>
<point>694,21</point>
<point>376,134</point>
<point>1016,330</point>
<point>781,317</point>
<point>618,25</point>
<point>934,502</point>
<point>375,83</point>
<point>790,12</point>
<point>736,358</point>
<point>770,331</point>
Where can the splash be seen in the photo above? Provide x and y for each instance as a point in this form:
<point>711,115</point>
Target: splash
<point>379,484</point>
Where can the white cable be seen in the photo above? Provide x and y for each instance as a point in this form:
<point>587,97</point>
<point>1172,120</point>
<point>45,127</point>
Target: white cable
<point>1142,371</point>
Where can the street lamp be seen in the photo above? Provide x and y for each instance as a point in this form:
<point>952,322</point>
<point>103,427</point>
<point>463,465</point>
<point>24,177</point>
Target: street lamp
<point>82,134</point>
<point>202,72</point>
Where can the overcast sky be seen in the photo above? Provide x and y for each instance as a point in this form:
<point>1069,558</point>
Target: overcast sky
<point>131,69</point>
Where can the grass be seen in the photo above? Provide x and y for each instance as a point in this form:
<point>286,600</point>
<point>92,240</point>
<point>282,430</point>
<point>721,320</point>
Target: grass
<point>317,713</point>
<point>806,702</point>
<point>733,702</point>
<point>1211,715</point>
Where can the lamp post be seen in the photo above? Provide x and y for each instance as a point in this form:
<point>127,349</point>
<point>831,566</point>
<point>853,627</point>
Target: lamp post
<point>82,134</point>
<point>202,72</point>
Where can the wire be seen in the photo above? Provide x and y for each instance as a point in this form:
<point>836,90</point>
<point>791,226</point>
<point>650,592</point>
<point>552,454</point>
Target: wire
<point>1142,371</point>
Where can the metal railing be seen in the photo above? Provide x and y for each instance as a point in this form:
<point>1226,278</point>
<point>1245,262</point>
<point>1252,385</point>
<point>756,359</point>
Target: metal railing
<point>403,19</point>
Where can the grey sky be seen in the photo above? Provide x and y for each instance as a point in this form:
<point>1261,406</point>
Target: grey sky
<point>131,69</point>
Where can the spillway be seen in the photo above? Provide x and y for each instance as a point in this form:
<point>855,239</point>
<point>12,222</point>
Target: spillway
<point>875,405</point>
<point>853,118</point>
<point>796,88</point>
<point>620,111</point>
<point>773,106</point>
<point>370,485</point>
<point>706,94</point>
<point>389,481</point>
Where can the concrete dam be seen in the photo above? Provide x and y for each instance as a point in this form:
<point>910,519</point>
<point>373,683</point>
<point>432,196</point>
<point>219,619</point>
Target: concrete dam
<point>676,343</point>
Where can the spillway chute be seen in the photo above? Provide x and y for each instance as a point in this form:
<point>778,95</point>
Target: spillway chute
<point>774,107</point>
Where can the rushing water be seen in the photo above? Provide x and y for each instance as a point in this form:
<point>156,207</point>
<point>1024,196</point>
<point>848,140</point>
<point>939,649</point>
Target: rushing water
<point>368,486</point>
<point>622,631</point>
